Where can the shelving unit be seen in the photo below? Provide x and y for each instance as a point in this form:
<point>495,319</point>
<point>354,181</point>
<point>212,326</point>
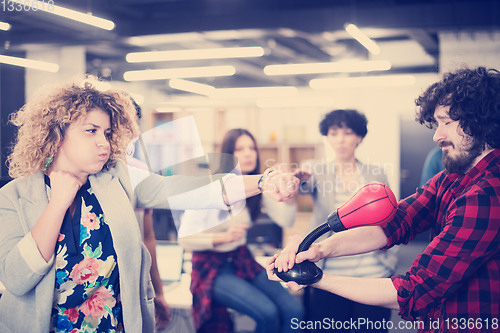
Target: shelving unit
<point>289,156</point>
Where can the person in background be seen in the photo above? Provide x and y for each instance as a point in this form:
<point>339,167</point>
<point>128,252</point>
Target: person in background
<point>433,165</point>
<point>331,184</point>
<point>224,273</point>
<point>454,284</point>
<point>145,218</point>
<point>71,254</point>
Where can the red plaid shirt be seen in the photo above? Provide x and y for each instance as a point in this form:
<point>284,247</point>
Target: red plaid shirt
<point>209,317</point>
<point>454,285</point>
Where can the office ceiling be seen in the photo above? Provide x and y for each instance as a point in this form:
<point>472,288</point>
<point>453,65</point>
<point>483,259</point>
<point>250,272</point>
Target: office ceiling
<point>290,31</point>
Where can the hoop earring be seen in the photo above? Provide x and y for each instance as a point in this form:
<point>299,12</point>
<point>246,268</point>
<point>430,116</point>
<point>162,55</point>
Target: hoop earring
<point>47,163</point>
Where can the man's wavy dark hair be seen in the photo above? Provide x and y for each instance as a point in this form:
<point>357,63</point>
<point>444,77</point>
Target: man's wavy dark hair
<point>473,96</point>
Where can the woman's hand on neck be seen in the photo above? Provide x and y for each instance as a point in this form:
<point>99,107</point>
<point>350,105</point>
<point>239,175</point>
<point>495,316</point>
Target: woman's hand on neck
<point>62,166</point>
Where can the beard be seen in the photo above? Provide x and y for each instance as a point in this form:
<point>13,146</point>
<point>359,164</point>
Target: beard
<point>464,160</point>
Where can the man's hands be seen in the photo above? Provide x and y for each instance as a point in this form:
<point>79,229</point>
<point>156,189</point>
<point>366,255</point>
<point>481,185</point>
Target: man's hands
<point>289,257</point>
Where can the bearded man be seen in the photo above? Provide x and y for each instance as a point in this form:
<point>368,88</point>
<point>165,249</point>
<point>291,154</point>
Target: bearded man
<point>454,284</point>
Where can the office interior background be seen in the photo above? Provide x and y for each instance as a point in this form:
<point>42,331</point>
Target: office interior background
<point>273,67</point>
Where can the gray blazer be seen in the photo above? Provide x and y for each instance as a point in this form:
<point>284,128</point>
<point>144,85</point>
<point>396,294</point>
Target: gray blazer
<point>27,303</point>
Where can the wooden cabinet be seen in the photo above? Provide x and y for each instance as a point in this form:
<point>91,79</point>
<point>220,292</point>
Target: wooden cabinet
<point>289,156</point>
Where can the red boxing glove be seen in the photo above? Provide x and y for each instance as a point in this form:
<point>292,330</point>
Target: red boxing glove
<point>373,204</point>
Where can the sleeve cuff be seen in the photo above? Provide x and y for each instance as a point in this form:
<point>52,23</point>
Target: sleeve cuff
<point>31,255</point>
<point>404,296</point>
<point>234,188</point>
<point>389,234</point>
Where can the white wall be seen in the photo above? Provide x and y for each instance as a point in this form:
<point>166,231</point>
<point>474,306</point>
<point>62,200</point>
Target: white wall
<point>71,60</point>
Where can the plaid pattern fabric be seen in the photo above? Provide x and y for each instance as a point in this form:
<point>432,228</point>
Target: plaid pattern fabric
<point>210,317</point>
<point>454,285</point>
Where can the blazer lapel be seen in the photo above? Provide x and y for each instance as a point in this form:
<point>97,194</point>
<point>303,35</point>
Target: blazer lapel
<point>33,200</point>
<point>120,217</point>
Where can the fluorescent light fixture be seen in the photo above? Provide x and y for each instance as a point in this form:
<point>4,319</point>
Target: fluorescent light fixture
<point>165,38</point>
<point>192,87</point>
<point>195,36</point>
<point>234,34</point>
<point>179,73</point>
<point>71,14</point>
<point>286,32</point>
<point>28,63</point>
<point>4,26</point>
<point>193,101</point>
<point>363,39</point>
<point>254,92</point>
<point>215,53</point>
<point>231,93</point>
<point>168,109</point>
<point>344,66</point>
<point>295,102</point>
<point>366,81</point>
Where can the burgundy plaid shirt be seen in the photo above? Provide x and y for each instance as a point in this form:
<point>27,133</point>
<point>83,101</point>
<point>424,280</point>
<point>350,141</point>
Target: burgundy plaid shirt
<point>454,285</point>
<point>209,317</point>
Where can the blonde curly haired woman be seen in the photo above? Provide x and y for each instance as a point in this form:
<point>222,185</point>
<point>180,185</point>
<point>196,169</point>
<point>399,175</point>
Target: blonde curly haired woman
<point>71,255</point>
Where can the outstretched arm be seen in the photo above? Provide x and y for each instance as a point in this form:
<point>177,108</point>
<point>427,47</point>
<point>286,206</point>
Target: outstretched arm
<point>379,291</point>
<point>375,291</point>
<point>345,243</point>
<point>370,291</point>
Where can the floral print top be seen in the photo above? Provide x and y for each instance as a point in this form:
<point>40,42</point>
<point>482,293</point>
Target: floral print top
<point>87,289</point>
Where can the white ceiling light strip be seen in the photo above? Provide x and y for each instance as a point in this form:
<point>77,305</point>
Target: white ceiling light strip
<point>254,92</point>
<point>363,39</point>
<point>217,35</point>
<point>28,63</point>
<point>70,14</point>
<point>214,53</point>
<point>295,102</point>
<point>165,38</point>
<point>179,73</point>
<point>192,87</point>
<point>344,66</point>
<point>366,81</point>
<point>5,26</point>
<point>232,93</point>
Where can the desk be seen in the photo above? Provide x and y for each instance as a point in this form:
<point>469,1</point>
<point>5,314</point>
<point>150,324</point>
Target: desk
<point>180,300</point>
<point>177,294</point>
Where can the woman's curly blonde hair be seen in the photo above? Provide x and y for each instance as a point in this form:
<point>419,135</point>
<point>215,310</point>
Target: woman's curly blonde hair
<point>42,123</point>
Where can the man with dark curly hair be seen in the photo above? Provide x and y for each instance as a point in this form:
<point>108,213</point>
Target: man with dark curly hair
<point>454,284</point>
